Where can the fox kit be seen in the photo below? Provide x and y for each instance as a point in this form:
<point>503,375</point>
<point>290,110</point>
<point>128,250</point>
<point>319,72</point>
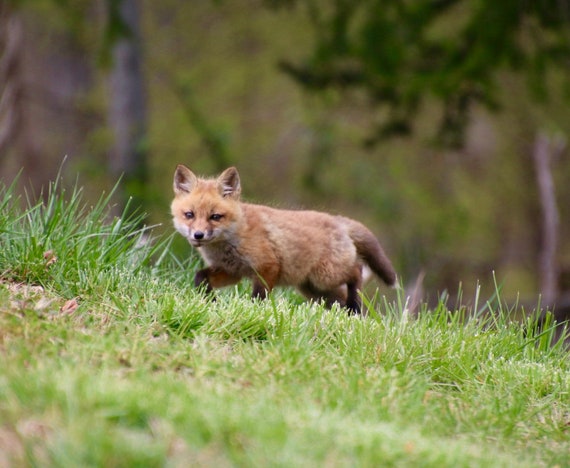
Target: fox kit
<point>320,254</point>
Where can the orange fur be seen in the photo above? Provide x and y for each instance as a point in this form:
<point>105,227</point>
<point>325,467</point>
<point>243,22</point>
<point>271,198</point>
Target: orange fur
<point>320,254</point>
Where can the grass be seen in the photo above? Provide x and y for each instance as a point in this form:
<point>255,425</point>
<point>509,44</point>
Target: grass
<point>111,358</point>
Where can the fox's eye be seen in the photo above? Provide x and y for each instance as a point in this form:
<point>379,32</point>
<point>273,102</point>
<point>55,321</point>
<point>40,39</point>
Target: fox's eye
<point>216,217</point>
<point>189,214</point>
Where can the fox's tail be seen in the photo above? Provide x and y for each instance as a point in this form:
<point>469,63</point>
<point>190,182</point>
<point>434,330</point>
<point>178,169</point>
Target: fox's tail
<point>370,250</point>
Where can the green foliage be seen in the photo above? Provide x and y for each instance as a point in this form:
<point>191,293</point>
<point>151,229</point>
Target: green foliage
<point>216,98</point>
<point>64,243</point>
<point>401,53</point>
<point>213,139</point>
<point>145,370</point>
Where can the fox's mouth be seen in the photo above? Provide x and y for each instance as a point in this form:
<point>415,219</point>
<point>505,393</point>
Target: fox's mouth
<point>198,242</point>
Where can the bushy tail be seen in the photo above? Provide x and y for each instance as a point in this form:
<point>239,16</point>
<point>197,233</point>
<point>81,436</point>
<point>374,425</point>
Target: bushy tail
<point>370,250</point>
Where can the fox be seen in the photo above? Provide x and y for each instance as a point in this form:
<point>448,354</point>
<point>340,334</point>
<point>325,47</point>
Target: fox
<point>322,255</point>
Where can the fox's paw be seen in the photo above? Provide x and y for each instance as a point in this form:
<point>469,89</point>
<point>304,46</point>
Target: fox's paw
<point>201,280</point>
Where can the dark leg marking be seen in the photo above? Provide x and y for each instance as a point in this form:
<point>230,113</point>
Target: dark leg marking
<point>201,280</point>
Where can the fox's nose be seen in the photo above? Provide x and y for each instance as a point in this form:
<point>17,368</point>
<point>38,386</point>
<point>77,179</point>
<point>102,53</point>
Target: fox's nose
<point>198,235</point>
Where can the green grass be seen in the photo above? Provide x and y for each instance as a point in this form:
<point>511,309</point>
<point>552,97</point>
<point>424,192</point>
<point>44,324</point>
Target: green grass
<point>148,372</point>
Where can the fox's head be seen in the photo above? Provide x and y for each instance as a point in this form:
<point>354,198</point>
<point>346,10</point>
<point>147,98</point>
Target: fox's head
<point>206,210</point>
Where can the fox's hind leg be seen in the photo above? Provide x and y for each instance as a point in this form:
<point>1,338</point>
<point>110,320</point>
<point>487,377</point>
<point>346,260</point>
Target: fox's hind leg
<point>353,287</point>
<point>346,295</point>
<point>335,296</point>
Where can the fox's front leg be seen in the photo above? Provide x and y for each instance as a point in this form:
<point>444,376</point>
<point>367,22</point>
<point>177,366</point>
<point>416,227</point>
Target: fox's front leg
<point>264,281</point>
<point>210,278</point>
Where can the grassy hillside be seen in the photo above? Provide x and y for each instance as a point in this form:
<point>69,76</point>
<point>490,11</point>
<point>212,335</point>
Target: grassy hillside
<point>110,358</point>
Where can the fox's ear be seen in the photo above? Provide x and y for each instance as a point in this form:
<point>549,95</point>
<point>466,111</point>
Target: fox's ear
<point>184,180</point>
<point>229,184</point>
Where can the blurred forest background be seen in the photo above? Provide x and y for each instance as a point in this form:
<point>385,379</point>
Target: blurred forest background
<point>442,124</point>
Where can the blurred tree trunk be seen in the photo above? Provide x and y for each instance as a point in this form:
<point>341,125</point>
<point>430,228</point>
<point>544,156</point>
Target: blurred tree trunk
<point>545,150</point>
<point>127,112</point>
<point>40,122</point>
<point>10,83</point>
<point>15,129</point>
